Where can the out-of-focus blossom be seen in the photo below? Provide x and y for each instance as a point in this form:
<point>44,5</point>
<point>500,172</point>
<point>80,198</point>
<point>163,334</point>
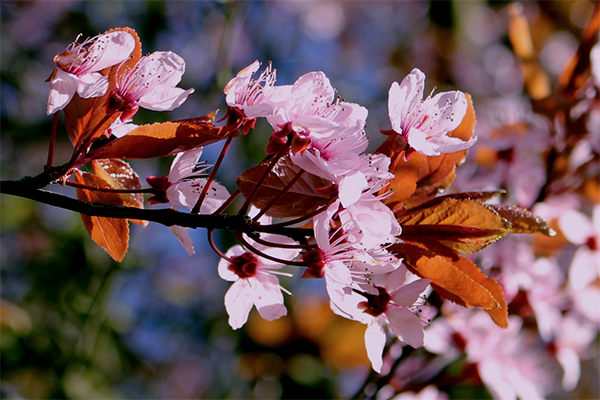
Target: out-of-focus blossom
<point>424,124</point>
<point>507,362</point>
<point>150,84</point>
<point>428,393</point>
<point>254,281</point>
<point>78,66</point>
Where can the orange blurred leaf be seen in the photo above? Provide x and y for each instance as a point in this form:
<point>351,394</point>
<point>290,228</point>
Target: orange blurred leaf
<point>162,139</point>
<point>112,234</point>
<point>119,175</point>
<point>302,198</point>
<point>85,117</point>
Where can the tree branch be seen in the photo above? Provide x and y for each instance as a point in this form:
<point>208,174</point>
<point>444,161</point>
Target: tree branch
<point>26,188</point>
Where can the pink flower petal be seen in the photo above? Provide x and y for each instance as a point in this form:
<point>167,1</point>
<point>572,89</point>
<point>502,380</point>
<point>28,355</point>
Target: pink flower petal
<point>92,85</point>
<point>269,300</point>
<point>406,326</point>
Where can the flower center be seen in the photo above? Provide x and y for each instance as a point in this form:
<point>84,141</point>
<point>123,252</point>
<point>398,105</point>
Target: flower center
<point>244,266</point>
<point>375,304</point>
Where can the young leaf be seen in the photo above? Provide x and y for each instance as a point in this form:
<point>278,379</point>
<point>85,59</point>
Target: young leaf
<point>112,234</point>
<point>455,278</point>
<point>162,139</point>
<point>119,175</point>
<point>523,220</point>
<point>302,198</point>
<point>466,226</point>
<point>85,117</point>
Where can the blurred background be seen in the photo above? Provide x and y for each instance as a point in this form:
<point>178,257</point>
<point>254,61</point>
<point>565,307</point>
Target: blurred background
<point>75,324</point>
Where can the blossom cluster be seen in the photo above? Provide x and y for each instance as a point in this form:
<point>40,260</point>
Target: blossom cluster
<point>378,234</point>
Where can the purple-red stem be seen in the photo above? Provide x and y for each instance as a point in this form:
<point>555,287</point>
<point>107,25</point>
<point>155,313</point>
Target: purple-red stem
<point>215,248</point>
<point>285,224</point>
<point>246,205</point>
<point>212,175</point>
<point>228,202</point>
<point>240,237</point>
<point>257,239</point>
<point>279,196</point>
<point>50,160</point>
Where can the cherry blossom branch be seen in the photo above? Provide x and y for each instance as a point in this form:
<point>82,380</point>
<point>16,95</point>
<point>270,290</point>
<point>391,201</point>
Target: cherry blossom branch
<point>111,190</point>
<point>27,188</point>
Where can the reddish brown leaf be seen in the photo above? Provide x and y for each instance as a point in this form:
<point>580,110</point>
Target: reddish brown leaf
<point>112,234</point>
<point>162,139</point>
<point>303,197</point>
<point>466,226</point>
<point>86,119</point>
<point>456,278</point>
<point>523,220</point>
<point>119,175</point>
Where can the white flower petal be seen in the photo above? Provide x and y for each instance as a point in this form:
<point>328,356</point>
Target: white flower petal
<point>164,98</point>
<point>238,302</point>
<point>184,238</point>
<point>375,342</point>
<point>92,85</point>
<point>63,87</point>
<point>111,49</point>
<point>269,300</point>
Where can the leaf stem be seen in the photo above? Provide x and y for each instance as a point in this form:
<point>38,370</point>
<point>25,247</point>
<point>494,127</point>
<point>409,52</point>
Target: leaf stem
<point>213,173</point>
<point>258,239</point>
<point>279,195</point>
<point>50,159</point>
<point>246,205</point>
<point>212,243</point>
<point>230,200</point>
<point>242,240</point>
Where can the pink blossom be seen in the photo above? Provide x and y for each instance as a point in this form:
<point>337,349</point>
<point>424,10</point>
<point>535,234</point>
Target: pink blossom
<point>186,183</point>
<point>310,108</point>
<point>249,98</point>
<point>150,84</point>
<point>78,66</point>
<point>183,187</point>
<point>392,306</point>
<point>254,281</point>
<point>424,124</point>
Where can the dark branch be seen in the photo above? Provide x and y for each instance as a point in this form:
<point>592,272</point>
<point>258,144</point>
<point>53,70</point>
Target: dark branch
<point>26,188</point>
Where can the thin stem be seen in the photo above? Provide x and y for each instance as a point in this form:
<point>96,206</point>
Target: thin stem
<point>111,190</point>
<point>212,243</point>
<point>279,195</point>
<point>50,160</point>
<point>241,238</point>
<point>284,224</point>
<point>213,173</point>
<point>228,202</point>
<point>246,205</point>
<point>83,147</point>
<point>258,239</point>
